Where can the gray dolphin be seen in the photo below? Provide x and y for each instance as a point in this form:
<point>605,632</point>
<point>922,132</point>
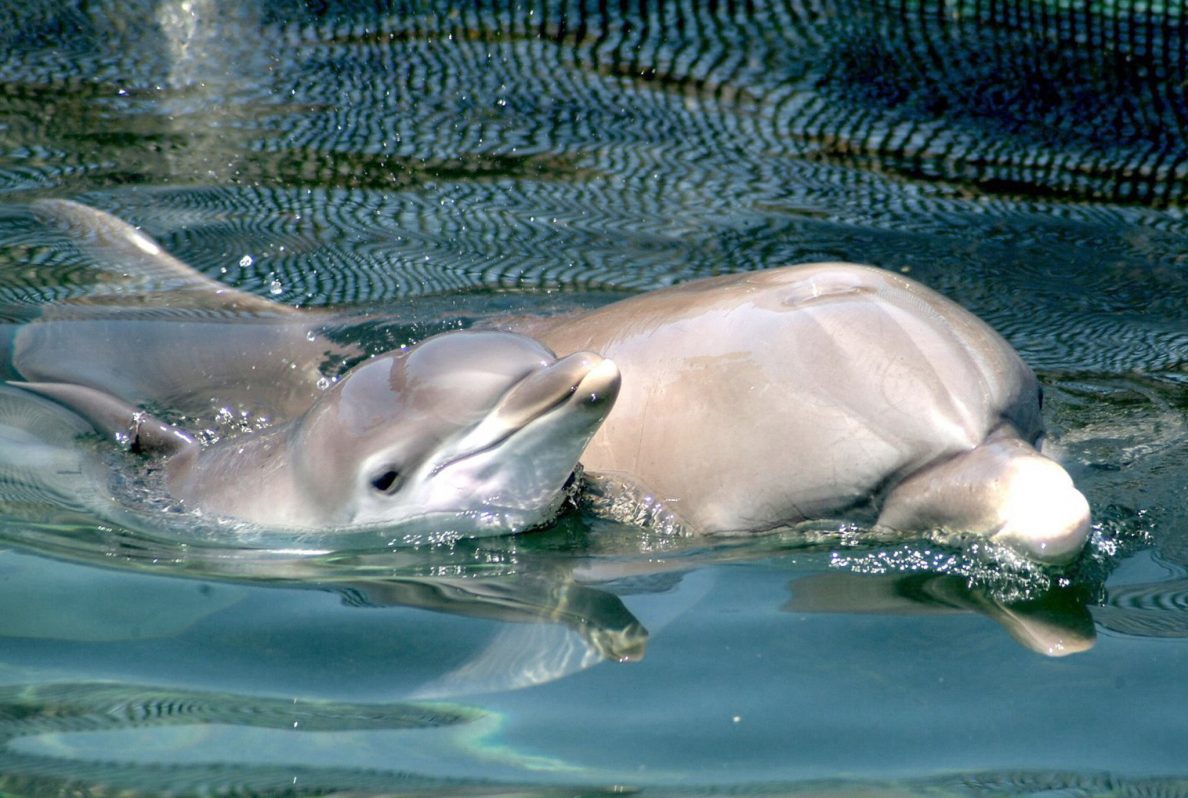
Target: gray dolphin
<point>472,432</point>
<point>466,432</point>
<point>759,400</point>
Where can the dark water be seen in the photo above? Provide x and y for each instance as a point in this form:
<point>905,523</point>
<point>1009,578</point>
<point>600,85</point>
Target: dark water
<point>439,164</point>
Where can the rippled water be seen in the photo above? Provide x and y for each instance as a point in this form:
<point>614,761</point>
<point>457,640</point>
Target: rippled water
<point>433,165</point>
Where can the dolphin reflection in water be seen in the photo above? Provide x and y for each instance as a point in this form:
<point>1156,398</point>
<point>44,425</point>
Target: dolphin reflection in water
<point>737,404</point>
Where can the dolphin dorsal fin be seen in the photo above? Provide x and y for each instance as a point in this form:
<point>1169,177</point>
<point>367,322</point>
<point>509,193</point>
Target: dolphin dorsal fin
<point>118,247</point>
<point>137,429</point>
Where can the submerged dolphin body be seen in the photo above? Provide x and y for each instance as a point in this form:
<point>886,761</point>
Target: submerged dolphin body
<point>469,432</point>
<point>758,400</point>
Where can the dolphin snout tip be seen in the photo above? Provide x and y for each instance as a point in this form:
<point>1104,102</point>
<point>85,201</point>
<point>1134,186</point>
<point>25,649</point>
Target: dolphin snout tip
<point>1057,526</point>
<point>600,384</point>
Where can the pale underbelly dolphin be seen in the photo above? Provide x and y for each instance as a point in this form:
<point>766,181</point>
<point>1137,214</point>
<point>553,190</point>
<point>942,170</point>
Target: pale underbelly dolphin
<point>755,401</point>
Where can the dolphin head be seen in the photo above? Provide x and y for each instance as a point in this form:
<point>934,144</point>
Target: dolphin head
<point>477,432</point>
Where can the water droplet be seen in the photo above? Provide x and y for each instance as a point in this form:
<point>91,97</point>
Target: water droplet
<point>323,383</point>
<point>311,336</point>
<point>275,288</point>
<point>246,261</point>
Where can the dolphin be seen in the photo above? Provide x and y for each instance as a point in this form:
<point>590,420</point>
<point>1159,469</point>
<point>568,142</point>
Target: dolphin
<point>468,432</point>
<point>475,432</point>
<point>756,401</point>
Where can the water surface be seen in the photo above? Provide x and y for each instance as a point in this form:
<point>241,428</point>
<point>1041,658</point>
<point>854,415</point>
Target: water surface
<point>436,165</point>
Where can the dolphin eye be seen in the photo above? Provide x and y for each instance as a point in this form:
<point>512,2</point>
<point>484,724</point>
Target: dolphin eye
<point>385,480</point>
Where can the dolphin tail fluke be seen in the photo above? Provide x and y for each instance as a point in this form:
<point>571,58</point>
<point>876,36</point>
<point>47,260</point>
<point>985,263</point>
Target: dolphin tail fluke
<point>132,427</point>
<point>118,247</point>
<point>1002,489</point>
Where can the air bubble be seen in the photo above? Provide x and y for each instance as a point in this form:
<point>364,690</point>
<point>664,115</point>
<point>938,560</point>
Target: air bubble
<point>246,261</point>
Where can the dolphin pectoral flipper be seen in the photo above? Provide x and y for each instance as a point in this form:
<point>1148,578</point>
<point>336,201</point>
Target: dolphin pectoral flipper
<point>136,428</point>
<point>1002,489</point>
<point>118,247</point>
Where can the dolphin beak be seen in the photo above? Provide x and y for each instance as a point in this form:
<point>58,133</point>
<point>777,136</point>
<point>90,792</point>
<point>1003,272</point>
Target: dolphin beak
<point>583,382</point>
<point>583,378</point>
<point>601,383</point>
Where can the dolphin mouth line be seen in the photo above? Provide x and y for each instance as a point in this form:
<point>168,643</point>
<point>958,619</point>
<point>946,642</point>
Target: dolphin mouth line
<point>499,441</point>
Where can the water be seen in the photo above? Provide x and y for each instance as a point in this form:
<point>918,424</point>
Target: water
<point>435,166</point>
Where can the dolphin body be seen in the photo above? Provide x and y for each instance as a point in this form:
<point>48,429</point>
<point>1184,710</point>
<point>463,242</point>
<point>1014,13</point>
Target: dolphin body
<point>749,402</point>
<point>758,400</point>
<point>466,432</point>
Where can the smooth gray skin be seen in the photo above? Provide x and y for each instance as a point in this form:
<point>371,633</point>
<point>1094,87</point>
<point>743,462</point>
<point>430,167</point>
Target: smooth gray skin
<point>755,401</point>
<point>467,432</point>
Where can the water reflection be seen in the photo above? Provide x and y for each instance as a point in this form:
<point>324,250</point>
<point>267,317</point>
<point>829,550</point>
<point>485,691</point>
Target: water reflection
<point>521,621</point>
<point>1157,609</point>
<point>1055,623</point>
<point>57,737</point>
<point>232,644</point>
